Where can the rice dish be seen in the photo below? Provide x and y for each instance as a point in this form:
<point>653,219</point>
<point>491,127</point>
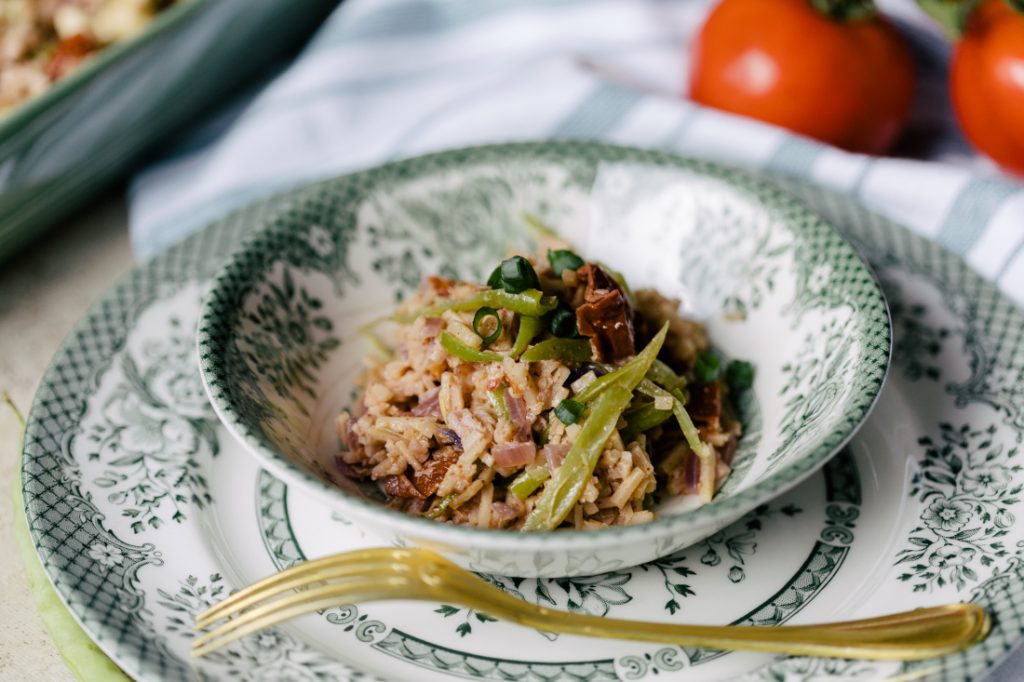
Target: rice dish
<point>551,397</point>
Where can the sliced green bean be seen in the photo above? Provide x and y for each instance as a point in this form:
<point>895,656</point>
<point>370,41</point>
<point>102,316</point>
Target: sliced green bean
<point>665,376</point>
<point>563,491</point>
<point>460,350</point>
<point>438,509</point>
<point>539,226</point>
<point>530,302</point>
<point>529,327</point>
<point>566,350</point>
<point>567,483</point>
<point>497,399</point>
<point>646,418</point>
<point>703,451</point>
<point>379,347</point>
<point>529,480</point>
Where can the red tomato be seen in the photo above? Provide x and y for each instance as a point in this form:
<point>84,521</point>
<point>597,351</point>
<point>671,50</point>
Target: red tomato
<point>847,82</point>
<point>987,82</point>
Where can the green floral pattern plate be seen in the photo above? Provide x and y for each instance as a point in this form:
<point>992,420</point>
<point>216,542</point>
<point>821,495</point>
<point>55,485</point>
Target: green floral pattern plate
<point>144,510</point>
<point>280,349</point>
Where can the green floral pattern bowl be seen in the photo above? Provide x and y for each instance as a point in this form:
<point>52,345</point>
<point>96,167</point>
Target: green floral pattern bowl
<point>280,353</point>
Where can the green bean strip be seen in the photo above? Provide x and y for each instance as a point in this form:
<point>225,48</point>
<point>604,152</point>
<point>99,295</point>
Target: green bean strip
<point>563,491</point>
<point>378,346</point>
<point>567,350</point>
<point>530,302</point>
<point>628,372</point>
<point>704,452</point>
<point>566,485</point>
<point>539,226</point>
<point>436,511</point>
<point>529,327</point>
<point>460,350</point>
<point>665,376</point>
<point>497,399</point>
<point>646,418</point>
<point>529,480</point>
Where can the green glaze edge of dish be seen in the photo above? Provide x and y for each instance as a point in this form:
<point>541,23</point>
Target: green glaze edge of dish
<point>26,112</point>
<point>295,239</point>
<point>842,497</point>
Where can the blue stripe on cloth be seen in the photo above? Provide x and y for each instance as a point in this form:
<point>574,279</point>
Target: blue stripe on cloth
<point>370,83</point>
<point>1014,254</point>
<point>598,113</point>
<point>675,136</point>
<point>795,156</point>
<point>421,17</point>
<point>971,212</point>
<point>153,239</point>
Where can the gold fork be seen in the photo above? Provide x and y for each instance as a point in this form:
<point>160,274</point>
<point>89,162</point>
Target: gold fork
<point>385,574</point>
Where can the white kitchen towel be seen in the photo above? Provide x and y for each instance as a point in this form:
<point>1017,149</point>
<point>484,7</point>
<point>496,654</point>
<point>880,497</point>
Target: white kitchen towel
<point>385,79</point>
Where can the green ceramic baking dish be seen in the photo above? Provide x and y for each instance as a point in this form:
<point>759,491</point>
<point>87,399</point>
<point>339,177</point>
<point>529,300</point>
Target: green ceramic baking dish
<point>88,130</point>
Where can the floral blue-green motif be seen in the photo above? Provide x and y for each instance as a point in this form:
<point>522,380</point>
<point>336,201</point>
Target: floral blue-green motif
<point>966,484</point>
<point>153,432</point>
<point>290,336</point>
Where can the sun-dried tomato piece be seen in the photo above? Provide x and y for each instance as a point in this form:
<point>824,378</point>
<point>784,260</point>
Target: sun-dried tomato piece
<point>605,316</point>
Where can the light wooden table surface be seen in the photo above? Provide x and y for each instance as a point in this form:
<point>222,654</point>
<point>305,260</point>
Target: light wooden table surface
<point>43,293</point>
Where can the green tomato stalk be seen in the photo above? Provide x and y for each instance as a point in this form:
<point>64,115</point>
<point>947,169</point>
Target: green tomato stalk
<point>951,15</point>
<point>846,10</point>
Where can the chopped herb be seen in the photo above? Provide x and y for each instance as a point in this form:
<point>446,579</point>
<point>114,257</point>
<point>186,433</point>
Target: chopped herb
<point>569,411</point>
<point>563,259</point>
<point>478,319</point>
<point>563,323</point>
<point>514,275</point>
<point>739,375</point>
<point>707,367</point>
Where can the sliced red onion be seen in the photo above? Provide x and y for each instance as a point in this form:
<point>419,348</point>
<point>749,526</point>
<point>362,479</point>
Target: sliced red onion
<point>692,478</point>
<point>517,413</point>
<point>503,512</point>
<point>346,469</point>
<point>432,327</point>
<point>729,450</point>
<point>514,454</point>
<point>351,438</point>
<point>554,454</point>
<point>429,405</point>
<point>358,409</point>
<point>452,438</point>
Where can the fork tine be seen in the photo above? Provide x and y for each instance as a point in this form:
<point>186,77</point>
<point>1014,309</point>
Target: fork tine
<point>304,579</point>
<point>374,554</point>
<point>268,615</point>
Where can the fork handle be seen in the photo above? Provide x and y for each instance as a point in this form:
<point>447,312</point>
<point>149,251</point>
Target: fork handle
<point>910,635</point>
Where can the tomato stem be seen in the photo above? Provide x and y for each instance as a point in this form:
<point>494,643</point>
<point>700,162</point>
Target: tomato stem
<point>1016,5</point>
<point>951,15</point>
<point>845,10</point>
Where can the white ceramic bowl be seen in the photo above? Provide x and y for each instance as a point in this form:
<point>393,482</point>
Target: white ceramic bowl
<point>774,283</point>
